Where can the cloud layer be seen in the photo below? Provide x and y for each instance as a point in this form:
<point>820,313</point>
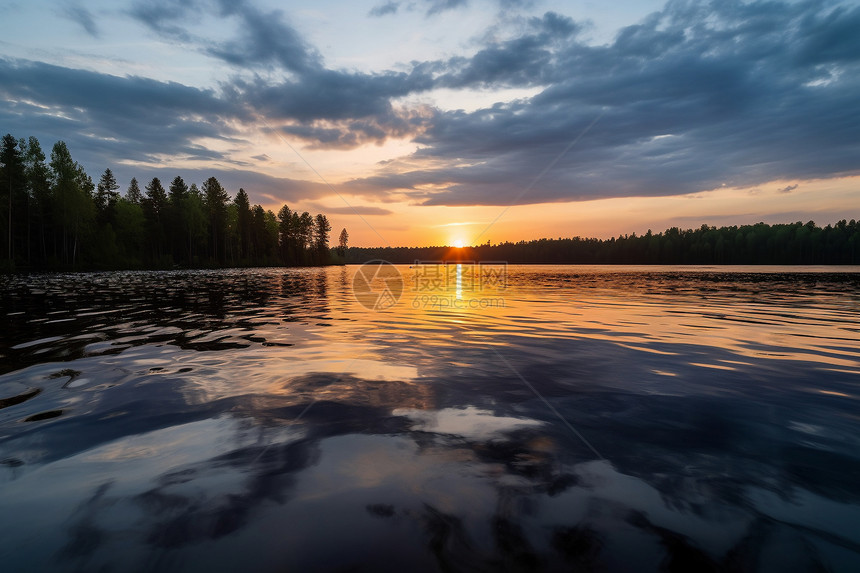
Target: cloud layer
<point>698,95</point>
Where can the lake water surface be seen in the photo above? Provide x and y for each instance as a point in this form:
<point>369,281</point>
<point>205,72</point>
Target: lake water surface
<point>552,418</point>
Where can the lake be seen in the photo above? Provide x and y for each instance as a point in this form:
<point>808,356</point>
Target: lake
<point>432,418</point>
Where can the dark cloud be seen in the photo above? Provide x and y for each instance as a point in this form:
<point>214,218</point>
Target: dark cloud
<point>788,189</point>
<point>438,6</point>
<point>108,119</point>
<point>82,16</point>
<point>327,108</point>
<point>141,99</point>
<point>330,94</point>
<point>526,60</point>
<point>833,38</point>
<point>434,7</point>
<point>694,97</point>
<point>265,39</point>
<point>383,9</point>
<point>138,127</point>
<point>164,16</point>
<point>348,134</point>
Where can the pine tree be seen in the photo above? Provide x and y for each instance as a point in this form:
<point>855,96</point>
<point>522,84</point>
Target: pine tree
<point>195,216</point>
<point>72,192</point>
<point>343,243</point>
<point>178,190</point>
<point>305,236</point>
<point>176,220</point>
<point>215,199</point>
<point>321,230</point>
<point>285,235</point>
<point>14,186</point>
<point>106,197</point>
<point>258,231</point>
<point>243,223</point>
<point>39,187</point>
<point>154,210</point>
<point>133,194</point>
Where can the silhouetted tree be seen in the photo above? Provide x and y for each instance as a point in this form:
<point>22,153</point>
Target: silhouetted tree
<point>39,193</point>
<point>271,225</point>
<point>195,215</point>
<point>106,197</point>
<point>14,187</point>
<point>177,224</point>
<point>59,217</point>
<point>231,235</point>
<point>321,230</point>
<point>154,211</point>
<point>795,243</point>
<point>215,199</point>
<point>72,193</point>
<point>177,192</point>
<point>343,243</point>
<point>304,229</point>
<point>258,231</point>
<point>243,223</point>
<point>133,193</point>
<point>286,238</point>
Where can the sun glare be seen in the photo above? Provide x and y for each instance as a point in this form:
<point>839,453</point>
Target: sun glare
<point>458,243</point>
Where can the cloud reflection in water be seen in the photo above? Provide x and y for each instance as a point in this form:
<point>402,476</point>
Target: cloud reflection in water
<point>259,419</point>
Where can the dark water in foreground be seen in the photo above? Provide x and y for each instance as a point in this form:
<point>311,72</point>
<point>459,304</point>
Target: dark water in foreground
<point>609,419</point>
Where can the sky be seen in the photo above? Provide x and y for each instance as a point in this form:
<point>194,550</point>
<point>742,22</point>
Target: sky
<point>430,122</point>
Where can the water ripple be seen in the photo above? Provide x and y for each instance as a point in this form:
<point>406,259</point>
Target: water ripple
<point>153,420</point>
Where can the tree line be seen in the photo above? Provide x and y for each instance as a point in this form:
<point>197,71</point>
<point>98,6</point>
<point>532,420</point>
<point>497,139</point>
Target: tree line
<point>760,244</point>
<point>56,217</point>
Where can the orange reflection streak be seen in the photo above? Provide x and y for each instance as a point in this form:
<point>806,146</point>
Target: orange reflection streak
<point>339,350</point>
<point>634,315</point>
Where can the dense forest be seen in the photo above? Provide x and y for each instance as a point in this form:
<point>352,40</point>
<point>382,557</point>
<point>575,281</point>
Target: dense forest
<point>759,244</point>
<point>55,217</point>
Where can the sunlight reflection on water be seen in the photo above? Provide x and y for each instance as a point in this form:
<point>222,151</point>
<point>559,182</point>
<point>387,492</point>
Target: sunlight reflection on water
<point>187,420</point>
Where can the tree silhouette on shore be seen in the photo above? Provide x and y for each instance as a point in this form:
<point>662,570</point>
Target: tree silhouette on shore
<point>52,216</point>
<point>760,244</point>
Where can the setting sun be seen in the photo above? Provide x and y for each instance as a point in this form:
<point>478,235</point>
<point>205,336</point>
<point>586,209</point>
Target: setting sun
<point>458,243</point>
